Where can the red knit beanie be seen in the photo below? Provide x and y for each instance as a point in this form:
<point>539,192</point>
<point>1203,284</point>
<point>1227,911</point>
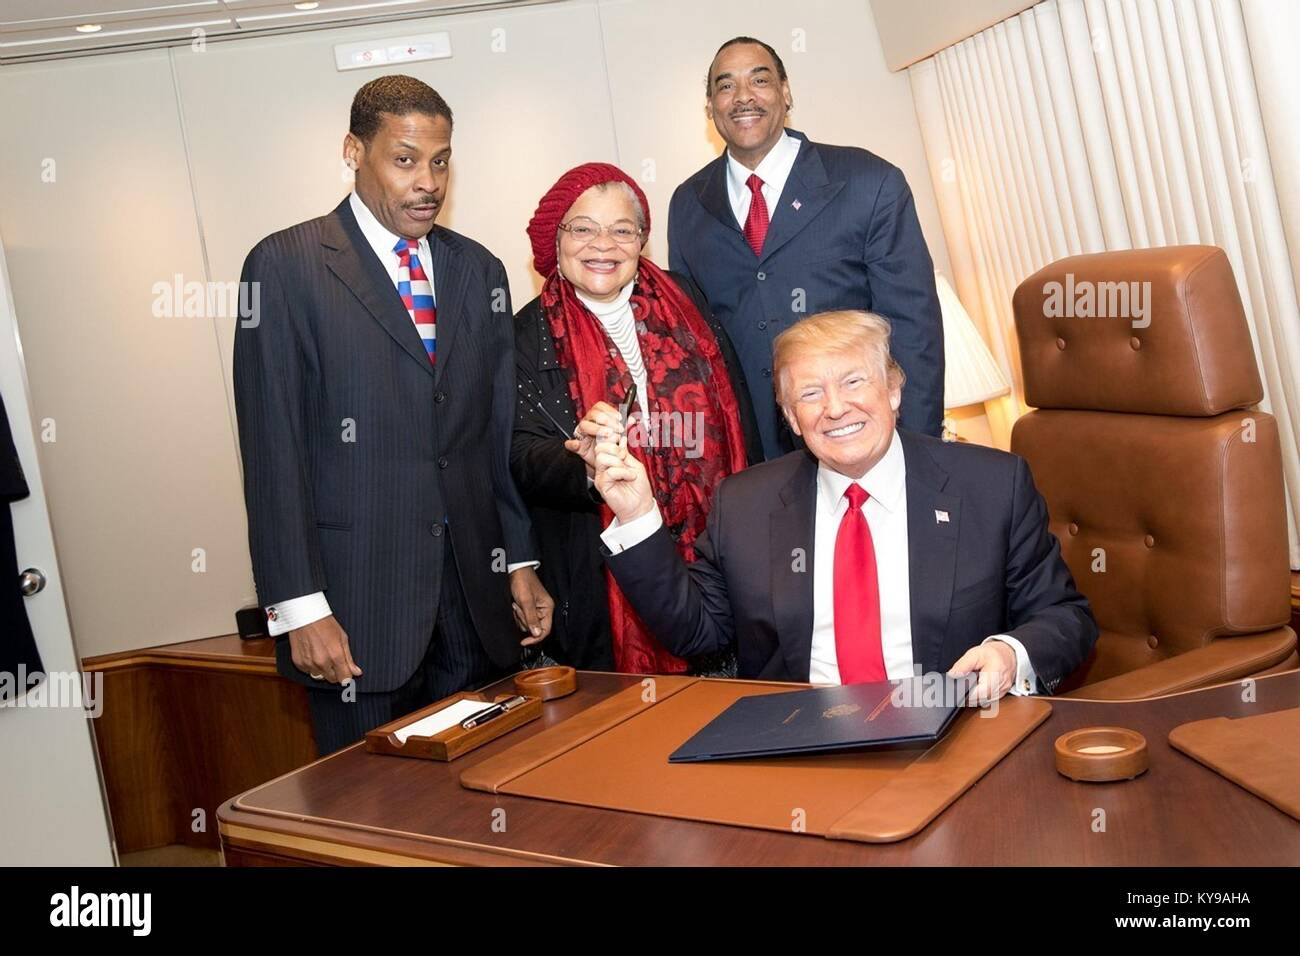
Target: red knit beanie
<point>545,224</point>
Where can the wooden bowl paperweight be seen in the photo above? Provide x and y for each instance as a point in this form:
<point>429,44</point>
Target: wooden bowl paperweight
<point>548,683</point>
<point>1101,754</point>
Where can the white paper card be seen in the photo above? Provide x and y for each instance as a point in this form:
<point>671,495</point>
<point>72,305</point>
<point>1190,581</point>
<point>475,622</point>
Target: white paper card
<point>440,720</point>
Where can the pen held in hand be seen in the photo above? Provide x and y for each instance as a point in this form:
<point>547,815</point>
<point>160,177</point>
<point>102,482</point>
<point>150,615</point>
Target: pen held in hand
<point>628,403</point>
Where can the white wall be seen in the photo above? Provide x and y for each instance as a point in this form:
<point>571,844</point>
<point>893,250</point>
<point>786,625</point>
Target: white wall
<point>179,161</point>
<point>142,468</point>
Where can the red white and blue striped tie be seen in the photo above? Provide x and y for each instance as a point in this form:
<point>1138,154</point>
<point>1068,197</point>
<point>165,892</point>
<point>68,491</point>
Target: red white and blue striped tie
<point>417,293</point>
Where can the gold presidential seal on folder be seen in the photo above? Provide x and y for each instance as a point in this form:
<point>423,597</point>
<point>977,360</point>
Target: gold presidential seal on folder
<point>840,710</point>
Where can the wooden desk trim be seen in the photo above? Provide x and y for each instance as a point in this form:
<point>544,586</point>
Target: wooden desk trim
<point>331,849</point>
<point>212,665</point>
<point>187,655</point>
<point>319,851</point>
<point>279,840</point>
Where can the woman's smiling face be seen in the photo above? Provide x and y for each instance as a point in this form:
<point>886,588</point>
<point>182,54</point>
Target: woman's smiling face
<point>601,266</point>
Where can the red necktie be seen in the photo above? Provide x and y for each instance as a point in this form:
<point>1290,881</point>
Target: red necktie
<point>857,596</point>
<point>756,222</point>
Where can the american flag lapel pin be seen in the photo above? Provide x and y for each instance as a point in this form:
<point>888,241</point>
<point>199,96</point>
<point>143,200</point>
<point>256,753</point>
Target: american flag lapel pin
<point>940,517</point>
<point>796,205</point>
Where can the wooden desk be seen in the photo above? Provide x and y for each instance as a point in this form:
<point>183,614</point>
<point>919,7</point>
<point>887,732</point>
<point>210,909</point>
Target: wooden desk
<point>358,808</point>
<point>187,725</point>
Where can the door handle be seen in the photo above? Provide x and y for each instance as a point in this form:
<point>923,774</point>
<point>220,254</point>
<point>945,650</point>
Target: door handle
<point>33,581</point>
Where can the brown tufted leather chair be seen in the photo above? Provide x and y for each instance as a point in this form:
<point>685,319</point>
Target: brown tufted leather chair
<point>1155,466</point>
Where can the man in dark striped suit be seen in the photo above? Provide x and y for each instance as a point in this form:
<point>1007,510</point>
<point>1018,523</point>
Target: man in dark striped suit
<point>375,394</point>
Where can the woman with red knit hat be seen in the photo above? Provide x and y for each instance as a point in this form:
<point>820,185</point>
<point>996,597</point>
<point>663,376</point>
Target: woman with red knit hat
<point>609,320</point>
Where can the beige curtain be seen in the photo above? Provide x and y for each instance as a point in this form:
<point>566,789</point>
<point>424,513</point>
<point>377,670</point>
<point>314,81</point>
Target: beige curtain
<point>1088,125</point>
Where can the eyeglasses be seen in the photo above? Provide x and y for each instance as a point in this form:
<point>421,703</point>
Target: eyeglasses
<point>586,230</point>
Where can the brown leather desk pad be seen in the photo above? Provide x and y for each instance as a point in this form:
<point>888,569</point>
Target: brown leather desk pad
<point>1260,753</point>
<point>615,755</point>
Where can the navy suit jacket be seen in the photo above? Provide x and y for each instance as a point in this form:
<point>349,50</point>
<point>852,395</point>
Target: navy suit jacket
<point>361,460</point>
<point>992,567</point>
<point>844,235</point>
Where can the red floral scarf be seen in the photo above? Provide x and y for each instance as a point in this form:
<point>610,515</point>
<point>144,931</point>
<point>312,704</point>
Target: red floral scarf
<point>690,397</point>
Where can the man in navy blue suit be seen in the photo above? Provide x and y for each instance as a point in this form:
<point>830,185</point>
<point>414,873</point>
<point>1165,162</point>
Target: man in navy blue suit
<point>874,553</point>
<point>779,227</point>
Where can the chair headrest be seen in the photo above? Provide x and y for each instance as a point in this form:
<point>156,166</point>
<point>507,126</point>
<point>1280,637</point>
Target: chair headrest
<point>1158,331</point>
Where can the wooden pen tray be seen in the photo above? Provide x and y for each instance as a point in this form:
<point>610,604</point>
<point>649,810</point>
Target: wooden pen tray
<point>454,741</point>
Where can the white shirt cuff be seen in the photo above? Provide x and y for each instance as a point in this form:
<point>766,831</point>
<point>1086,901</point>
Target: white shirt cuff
<point>1026,680</point>
<point>296,612</point>
<point>512,568</point>
<point>620,537</point>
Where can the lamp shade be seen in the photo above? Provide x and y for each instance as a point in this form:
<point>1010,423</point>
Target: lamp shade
<point>970,374</point>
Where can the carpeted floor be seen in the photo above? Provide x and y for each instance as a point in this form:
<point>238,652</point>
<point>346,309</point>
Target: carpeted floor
<point>175,855</point>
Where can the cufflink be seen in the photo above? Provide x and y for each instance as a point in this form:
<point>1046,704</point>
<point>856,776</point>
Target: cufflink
<point>270,614</point>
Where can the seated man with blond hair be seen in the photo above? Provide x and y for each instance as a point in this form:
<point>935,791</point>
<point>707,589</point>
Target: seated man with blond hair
<point>875,553</point>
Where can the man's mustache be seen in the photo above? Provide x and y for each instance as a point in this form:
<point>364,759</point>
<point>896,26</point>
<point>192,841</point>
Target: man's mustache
<point>427,201</point>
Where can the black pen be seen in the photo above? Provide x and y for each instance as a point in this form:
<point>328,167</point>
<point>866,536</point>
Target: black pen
<point>626,406</point>
<point>495,710</point>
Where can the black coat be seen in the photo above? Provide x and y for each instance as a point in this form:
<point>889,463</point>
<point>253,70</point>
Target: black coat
<point>364,518</point>
<point>553,481</point>
<point>17,645</point>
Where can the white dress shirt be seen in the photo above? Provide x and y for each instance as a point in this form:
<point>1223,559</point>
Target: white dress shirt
<point>382,242</point>
<point>619,323</point>
<point>774,170</point>
<point>886,514</point>
<point>301,611</point>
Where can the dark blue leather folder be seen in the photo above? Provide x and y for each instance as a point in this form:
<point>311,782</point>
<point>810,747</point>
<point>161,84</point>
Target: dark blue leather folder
<point>914,712</point>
